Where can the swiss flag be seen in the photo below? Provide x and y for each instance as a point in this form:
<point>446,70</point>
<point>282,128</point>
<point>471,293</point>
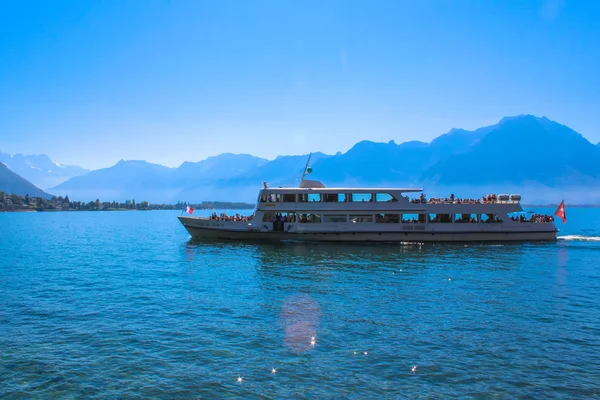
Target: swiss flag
<point>561,213</point>
<point>190,210</point>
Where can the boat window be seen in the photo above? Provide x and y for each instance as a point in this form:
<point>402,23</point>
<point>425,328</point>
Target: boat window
<point>302,198</point>
<point>289,198</point>
<point>335,218</point>
<point>330,197</point>
<point>361,197</point>
<point>310,218</point>
<point>342,198</point>
<point>268,216</point>
<point>289,216</point>
<point>414,218</point>
<point>465,218</point>
<point>387,218</point>
<point>384,198</point>
<point>361,218</point>
<point>490,218</point>
<point>440,218</point>
<point>314,197</point>
<point>268,198</point>
<point>277,197</point>
<point>521,216</point>
<point>272,216</point>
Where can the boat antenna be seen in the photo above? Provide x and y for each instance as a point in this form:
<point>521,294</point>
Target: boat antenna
<point>305,169</point>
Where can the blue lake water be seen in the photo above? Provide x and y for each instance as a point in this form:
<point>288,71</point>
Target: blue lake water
<point>126,305</point>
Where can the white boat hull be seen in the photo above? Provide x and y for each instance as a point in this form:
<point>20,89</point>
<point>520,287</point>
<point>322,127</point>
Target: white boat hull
<point>237,231</point>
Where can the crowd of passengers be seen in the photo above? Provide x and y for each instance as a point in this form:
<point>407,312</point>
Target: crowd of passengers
<point>469,220</point>
<point>291,218</point>
<point>488,199</point>
<point>537,218</point>
<point>387,218</point>
<point>231,218</point>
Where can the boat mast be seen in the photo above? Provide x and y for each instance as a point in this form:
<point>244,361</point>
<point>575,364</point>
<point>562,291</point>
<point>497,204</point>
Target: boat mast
<point>305,169</point>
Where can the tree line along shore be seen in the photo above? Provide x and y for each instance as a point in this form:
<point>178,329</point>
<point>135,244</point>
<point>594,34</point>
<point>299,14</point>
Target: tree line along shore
<point>13,202</point>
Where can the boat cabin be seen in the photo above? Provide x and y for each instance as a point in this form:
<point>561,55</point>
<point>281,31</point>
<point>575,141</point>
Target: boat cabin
<point>317,204</point>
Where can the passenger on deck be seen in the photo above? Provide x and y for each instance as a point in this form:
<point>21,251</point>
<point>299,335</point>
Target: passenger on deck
<point>234,218</point>
<point>534,218</point>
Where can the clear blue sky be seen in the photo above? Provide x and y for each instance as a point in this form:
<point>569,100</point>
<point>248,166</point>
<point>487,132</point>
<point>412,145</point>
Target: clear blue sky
<point>92,82</point>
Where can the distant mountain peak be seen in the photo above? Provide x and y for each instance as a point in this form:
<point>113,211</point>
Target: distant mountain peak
<point>413,144</point>
<point>523,117</point>
<point>317,154</point>
<point>138,163</point>
<point>12,183</point>
<point>365,142</point>
<point>132,162</point>
<point>40,169</point>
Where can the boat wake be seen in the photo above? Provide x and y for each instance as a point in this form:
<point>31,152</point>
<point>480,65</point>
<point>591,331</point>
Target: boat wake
<point>580,238</point>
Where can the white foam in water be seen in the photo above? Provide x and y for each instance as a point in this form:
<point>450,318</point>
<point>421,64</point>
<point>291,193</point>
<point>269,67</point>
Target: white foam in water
<point>580,237</point>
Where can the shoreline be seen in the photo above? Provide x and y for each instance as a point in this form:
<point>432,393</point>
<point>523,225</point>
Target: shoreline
<point>118,209</point>
<point>16,203</point>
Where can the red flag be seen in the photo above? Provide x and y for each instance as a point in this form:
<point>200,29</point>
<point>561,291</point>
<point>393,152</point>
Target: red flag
<point>561,213</point>
<point>190,210</point>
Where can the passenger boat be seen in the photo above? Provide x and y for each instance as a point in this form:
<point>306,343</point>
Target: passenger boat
<point>313,212</point>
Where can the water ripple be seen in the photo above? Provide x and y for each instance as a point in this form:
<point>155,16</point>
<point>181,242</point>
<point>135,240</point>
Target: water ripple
<point>125,305</point>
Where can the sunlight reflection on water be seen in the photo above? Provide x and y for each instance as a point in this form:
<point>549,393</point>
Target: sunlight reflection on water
<point>299,317</point>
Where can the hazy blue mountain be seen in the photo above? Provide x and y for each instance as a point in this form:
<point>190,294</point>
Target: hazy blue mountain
<point>374,163</point>
<point>456,141</point>
<point>525,154</point>
<point>40,169</point>
<point>12,183</point>
<point>520,150</point>
<point>370,163</point>
<point>133,179</point>
<point>284,170</point>
<point>157,183</point>
<point>223,166</point>
<point>120,175</point>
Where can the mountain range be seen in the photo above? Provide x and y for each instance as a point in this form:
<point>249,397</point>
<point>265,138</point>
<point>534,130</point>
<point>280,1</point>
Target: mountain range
<point>40,169</point>
<point>536,157</point>
<point>11,183</point>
